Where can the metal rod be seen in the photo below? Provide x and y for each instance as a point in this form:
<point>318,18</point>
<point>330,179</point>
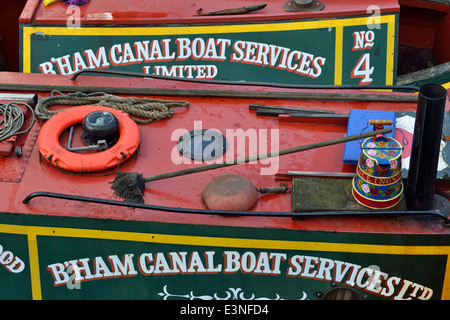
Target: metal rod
<point>237,213</point>
<point>240,10</point>
<point>335,96</point>
<point>242,83</point>
<point>279,109</point>
<point>321,174</point>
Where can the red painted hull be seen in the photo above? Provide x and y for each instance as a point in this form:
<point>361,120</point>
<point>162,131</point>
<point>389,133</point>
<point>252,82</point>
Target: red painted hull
<point>22,176</point>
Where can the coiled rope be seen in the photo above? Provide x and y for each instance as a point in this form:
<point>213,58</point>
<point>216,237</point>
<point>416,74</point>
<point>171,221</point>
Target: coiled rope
<point>147,109</point>
<point>13,119</point>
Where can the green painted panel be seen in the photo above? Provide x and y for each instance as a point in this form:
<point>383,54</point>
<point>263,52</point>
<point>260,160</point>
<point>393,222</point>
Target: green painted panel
<point>81,258</point>
<point>292,52</point>
<point>15,275</point>
<point>149,271</point>
<point>364,55</point>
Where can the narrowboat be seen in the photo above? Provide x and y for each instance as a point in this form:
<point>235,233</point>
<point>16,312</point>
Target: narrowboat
<point>225,151</point>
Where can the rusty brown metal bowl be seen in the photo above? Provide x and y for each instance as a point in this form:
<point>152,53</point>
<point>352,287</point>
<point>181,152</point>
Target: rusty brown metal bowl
<point>230,192</point>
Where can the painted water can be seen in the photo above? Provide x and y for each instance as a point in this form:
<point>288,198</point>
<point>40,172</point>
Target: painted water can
<point>378,180</point>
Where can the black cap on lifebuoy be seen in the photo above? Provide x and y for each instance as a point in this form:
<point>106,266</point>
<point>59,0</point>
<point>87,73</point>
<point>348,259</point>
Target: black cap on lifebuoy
<point>100,125</point>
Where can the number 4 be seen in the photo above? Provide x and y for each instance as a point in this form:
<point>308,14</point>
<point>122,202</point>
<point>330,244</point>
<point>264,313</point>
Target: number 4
<point>363,70</point>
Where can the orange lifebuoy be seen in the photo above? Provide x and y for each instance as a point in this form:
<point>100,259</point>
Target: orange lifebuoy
<point>51,149</point>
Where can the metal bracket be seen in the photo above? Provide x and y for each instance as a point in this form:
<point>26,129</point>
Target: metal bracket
<point>283,188</point>
<point>101,144</point>
<point>301,6</point>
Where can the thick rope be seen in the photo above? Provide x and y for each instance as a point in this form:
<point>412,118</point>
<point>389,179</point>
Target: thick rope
<point>147,109</point>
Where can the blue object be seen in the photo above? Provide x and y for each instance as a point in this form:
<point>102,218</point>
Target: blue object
<point>357,121</point>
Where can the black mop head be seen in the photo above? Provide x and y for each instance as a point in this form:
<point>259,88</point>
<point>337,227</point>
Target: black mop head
<point>129,186</point>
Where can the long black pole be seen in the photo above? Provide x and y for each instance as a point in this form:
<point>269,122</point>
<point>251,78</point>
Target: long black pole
<point>268,155</point>
<point>425,150</point>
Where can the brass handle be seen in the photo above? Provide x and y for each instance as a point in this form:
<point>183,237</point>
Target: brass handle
<point>381,122</point>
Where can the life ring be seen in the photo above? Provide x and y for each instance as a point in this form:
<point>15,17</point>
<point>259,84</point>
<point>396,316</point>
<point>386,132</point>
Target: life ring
<point>50,148</point>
